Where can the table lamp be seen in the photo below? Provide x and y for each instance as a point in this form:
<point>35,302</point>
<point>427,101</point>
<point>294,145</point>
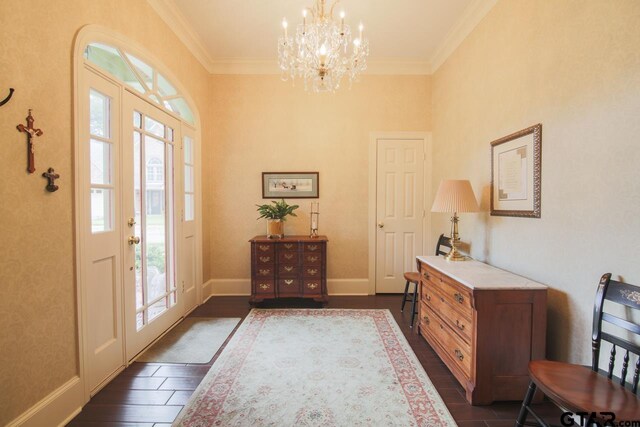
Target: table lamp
<point>455,195</point>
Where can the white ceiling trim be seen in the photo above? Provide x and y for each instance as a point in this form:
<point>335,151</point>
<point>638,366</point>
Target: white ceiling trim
<point>170,13</point>
<point>471,17</point>
<point>270,66</point>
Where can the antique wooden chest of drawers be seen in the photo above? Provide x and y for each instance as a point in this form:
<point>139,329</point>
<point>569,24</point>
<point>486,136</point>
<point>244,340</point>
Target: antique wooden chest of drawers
<point>294,266</point>
<point>486,324</point>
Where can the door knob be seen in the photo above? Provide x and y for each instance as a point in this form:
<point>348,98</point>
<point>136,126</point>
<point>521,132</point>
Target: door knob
<point>381,225</point>
<point>133,240</point>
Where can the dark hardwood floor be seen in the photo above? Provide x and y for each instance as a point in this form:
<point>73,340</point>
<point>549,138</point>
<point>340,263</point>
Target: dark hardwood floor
<point>152,394</point>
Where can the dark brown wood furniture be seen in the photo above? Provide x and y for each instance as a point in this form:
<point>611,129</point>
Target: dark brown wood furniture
<point>577,388</point>
<point>291,267</point>
<point>486,324</point>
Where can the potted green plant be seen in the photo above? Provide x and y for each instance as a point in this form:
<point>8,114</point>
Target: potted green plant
<point>276,213</point>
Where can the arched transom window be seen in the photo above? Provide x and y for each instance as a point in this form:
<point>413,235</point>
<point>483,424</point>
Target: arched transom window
<point>140,76</point>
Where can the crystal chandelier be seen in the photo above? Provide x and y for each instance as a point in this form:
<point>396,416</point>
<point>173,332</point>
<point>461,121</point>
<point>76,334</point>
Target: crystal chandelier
<point>322,51</point>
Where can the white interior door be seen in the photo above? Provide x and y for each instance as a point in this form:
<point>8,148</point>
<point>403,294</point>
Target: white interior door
<point>151,182</point>
<point>99,190</point>
<point>399,210</point>
<point>189,241</point>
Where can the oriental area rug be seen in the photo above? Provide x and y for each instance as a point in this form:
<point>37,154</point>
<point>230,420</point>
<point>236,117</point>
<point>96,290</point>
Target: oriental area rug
<point>323,367</point>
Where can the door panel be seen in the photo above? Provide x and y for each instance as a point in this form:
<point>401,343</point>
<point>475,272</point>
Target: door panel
<point>101,259</point>
<point>151,298</point>
<point>399,210</point>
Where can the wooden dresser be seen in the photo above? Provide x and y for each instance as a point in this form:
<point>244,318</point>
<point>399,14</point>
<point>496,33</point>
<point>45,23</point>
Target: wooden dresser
<point>291,267</point>
<point>486,324</point>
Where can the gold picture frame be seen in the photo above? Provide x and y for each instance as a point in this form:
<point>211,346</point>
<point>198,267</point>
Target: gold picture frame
<point>516,173</point>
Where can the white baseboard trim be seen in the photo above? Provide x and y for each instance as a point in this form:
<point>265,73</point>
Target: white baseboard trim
<point>242,287</point>
<point>56,409</point>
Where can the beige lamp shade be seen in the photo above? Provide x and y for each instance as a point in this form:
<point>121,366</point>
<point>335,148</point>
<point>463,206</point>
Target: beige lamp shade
<point>455,195</point>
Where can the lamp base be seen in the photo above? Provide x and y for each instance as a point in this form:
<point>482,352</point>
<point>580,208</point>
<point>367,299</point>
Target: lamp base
<point>454,255</point>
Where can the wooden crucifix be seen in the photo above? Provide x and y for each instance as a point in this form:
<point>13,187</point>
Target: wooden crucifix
<point>31,134</point>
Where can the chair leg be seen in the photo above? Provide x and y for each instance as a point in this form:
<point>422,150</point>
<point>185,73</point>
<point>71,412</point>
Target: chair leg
<point>413,304</point>
<point>404,297</point>
<point>524,410</point>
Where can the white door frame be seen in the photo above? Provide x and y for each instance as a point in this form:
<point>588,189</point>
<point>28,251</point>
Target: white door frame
<point>373,169</point>
<point>97,33</point>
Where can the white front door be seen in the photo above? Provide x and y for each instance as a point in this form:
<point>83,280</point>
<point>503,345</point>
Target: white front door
<point>189,242</point>
<point>399,210</point>
<point>151,157</point>
<point>99,190</point>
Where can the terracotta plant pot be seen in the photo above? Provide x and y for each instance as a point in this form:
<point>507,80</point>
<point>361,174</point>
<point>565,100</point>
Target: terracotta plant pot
<point>275,228</point>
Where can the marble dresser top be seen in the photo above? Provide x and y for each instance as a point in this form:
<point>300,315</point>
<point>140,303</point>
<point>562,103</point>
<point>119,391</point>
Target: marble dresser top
<point>478,275</point>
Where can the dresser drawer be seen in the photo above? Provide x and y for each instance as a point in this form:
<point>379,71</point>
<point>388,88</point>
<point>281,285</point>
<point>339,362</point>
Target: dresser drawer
<point>312,286</point>
<point>288,286</point>
<point>457,319</point>
<point>459,296</point>
<point>265,272</point>
<point>287,257</point>
<point>312,247</point>
<point>264,248</point>
<point>453,346</point>
<point>266,259</point>
<point>287,270</point>
<point>310,258</point>
<point>265,286</point>
<point>311,271</point>
<point>289,247</point>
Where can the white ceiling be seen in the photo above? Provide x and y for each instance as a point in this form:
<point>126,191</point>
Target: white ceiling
<point>413,36</point>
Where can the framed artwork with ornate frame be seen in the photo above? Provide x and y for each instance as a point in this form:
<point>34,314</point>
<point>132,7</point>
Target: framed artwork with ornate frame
<point>290,185</point>
<point>516,169</point>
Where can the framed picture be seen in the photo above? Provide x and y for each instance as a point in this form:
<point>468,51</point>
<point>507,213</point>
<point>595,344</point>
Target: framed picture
<point>290,185</point>
<point>516,166</point>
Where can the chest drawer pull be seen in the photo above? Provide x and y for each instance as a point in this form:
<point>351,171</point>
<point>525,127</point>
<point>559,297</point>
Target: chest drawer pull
<point>428,297</point>
<point>287,268</point>
<point>264,248</point>
<point>459,325</point>
<point>288,245</point>
<point>426,319</point>
<point>458,297</point>
<point>459,355</point>
<point>288,282</point>
<point>288,256</point>
<point>425,275</point>
<point>265,258</point>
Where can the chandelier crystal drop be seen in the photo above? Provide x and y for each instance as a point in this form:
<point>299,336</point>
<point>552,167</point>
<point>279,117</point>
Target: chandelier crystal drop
<point>322,50</point>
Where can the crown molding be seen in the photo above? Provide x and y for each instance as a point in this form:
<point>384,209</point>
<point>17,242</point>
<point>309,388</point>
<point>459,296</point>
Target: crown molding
<point>380,66</point>
<point>170,13</point>
<point>471,17</point>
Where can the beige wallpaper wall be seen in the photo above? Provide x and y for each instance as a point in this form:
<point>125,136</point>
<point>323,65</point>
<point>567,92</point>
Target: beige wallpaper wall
<point>260,123</point>
<point>573,66</point>
<point>38,308</point>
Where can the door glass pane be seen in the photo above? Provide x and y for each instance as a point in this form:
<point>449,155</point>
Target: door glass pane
<point>188,207</point>
<point>143,69</point>
<point>188,178</point>
<point>100,155</point>
<point>155,221</point>
<point>137,227</point>
<point>171,270</point>
<point>154,127</point>
<point>98,114</point>
<point>137,120</point>
<point>109,58</point>
<point>188,150</point>
<point>157,308</point>
<point>101,210</point>
<point>164,87</point>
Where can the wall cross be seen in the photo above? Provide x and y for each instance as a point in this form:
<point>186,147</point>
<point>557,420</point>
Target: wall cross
<point>31,134</point>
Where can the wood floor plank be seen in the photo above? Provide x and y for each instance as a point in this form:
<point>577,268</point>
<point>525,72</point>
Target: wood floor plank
<point>185,383</point>
<point>129,413</point>
<point>182,371</point>
<point>132,397</point>
<point>180,397</point>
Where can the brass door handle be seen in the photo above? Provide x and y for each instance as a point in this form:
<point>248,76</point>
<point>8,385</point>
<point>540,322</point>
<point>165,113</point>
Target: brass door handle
<point>133,240</point>
<point>381,225</point>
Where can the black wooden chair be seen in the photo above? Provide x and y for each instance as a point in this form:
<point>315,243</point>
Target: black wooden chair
<point>414,277</point>
<point>576,388</point>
